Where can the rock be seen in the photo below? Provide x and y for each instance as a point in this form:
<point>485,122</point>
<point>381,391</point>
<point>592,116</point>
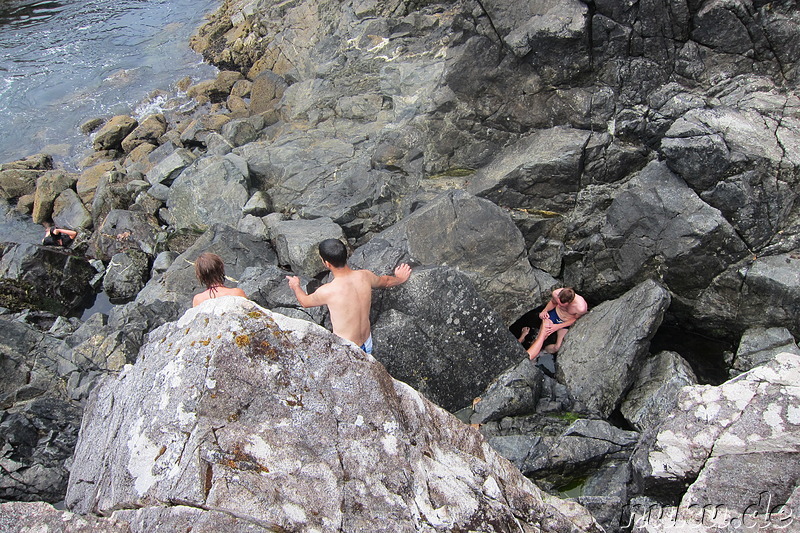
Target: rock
<point>36,440</point>
<point>59,280</point>
<point>297,243</point>
<point>557,456</point>
<point>266,88</point>
<point>126,274</point>
<point>32,364</point>
<point>113,132</point>
<point>112,193</point>
<point>542,171</point>
<point>216,90</point>
<point>15,183</point>
<point>89,180</point>
<point>656,389</point>
<point>48,187</point>
<point>197,132</point>
<point>605,350</point>
<point>69,211</point>
<point>239,132</point>
<point>124,230</point>
<point>655,227</point>
<point>39,161</point>
<point>771,293</point>
<point>258,205</point>
<point>437,334</point>
<point>515,391</point>
<point>19,517</point>
<point>149,131</point>
<point>760,345</point>
<point>731,445</point>
<point>131,455</point>
<point>170,167</point>
<point>213,190</point>
<point>478,238</point>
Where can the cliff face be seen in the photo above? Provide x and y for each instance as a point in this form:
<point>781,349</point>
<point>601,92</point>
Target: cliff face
<point>646,140</point>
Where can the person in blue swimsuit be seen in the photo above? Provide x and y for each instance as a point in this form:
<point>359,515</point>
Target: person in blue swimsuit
<point>563,309</point>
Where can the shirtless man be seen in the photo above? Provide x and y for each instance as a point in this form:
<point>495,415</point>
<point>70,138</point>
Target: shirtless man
<point>210,270</point>
<point>563,309</point>
<point>349,295</point>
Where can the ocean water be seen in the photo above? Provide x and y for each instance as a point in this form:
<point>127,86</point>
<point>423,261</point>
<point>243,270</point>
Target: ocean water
<point>63,62</point>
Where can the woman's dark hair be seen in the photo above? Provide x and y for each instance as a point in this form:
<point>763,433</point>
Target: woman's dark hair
<point>210,269</point>
<point>50,240</point>
<point>333,251</point>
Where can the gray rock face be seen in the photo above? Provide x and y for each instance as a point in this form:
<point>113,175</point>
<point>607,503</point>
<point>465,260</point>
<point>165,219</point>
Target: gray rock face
<point>126,274</point>
<point>212,191</point>
<point>69,211</point>
<point>18,517</point>
<point>36,439</point>
<point>604,351</point>
<point>475,236</point>
<point>276,421</point>
<point>542,171</point>
<point>655,227</point>
<point>771,292</point>
<point>656,389</point>
<point>297,243</point>
<point>760,345</point>
<point>515,391</point>
<point>170,167</point>
<point>733,445</point>
<point>59,280</point>
<point>437,334</point>
<point>124,230</point>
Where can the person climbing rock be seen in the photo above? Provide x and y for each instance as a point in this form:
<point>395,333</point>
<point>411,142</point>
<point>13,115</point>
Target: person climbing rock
<point>563,309</point>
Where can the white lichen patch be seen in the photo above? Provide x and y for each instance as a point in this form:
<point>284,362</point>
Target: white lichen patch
<point>211,384</point>
<point>294,512</point>
<point>773,417</point>
<point>793,414</point>
<point>186,418</point>
<point>491,489</point>
<point>707,412</point>
<point>389,443</point>
<point>729,444</point>
<point>739,393</point>
<point>143,454</point>
<point>359,421</point>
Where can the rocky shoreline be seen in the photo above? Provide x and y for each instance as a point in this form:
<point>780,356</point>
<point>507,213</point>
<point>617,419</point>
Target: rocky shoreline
<point>646,155</point>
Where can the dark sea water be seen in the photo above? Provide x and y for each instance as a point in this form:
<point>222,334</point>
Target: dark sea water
<point>65,61</point>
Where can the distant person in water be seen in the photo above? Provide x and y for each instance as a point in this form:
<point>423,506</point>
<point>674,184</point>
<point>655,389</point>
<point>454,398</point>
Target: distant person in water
<point>210,270</point>
<point>563,309</point>
<point>349,295</point>
<point>58,237</point>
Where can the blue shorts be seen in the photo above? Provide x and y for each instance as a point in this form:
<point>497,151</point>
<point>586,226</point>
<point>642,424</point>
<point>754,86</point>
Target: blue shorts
<point>367,346</point>
<point>554,318</point>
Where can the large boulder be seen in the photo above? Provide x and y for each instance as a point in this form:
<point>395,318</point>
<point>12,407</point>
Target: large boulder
<point>733,446</point>
<point>478,238</point>
<point>297,243</point>
<point>290,426</point>
<point>48,187</point>
<point>654,226</point>
<point>436,333</point>
<point>604,350</point>
<point>542,171</point>
<point>213,190</point>
<point>60,280</point>
<point>124,230</point>
<point>760,345</point>
<point>110,136</point>
<point>656,389</point>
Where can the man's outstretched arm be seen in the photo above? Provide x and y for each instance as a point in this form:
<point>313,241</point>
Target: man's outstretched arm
<point>306,300</point>
<point>401,275</point>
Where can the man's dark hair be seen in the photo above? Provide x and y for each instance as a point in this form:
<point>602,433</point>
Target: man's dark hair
<point>210,270</point>
<point>566,295</point>
<point>334,252</point>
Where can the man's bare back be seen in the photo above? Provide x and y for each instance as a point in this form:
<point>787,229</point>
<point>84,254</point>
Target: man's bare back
<point>349,298</point>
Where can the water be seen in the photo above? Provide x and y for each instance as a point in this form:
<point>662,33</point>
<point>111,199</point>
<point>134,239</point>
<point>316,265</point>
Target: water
<point>63,62</point>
